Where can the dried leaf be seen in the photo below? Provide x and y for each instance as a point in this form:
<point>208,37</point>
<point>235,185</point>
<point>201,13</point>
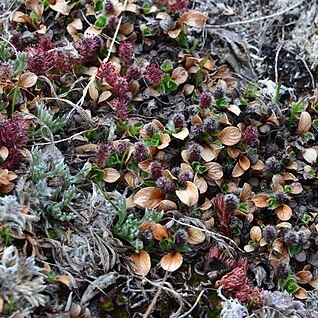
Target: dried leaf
<point>149,197</point>
<point>172,261</point>
<point>301,293</point>
<point>35,6</point>
<point>234,109</point>
<point>182,134</point>
<point>179,75</point>
<point>142,262</point>
<point>164,141</point>
<point>201,184</point>
<point>159,232</point>
<point>111,175</point>
<point>245,192</point>
<point>304,123</point>
<point>86,148</point>
<point>196,236</point>
<point>4,153</point>
<point>93,92</point>
<point>304,277</point>
<point>61,6</point>
<point>167,205</point>
<point>259,165</point>
<point>214,172</point>
<point>28,79</point>
<point>64,279</point>
<point>284,212</point>
<point>256,233</point>
<point>193,18</point>
<point>296,188</point>
<point>237,171</point>
<point>310,155</point>
<point>230,136</point>
<point>260,200</point>
<point>244,163</point>
<point>190,195</point>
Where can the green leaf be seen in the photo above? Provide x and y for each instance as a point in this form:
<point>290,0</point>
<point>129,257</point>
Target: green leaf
<point>315,124</point>
<point>154,141</point>
<point>146,8</point>
<point>167,65</point>
<point>99,5</point>
<point>146,32</point>
<point>101,22</point>
<point>167,85</point>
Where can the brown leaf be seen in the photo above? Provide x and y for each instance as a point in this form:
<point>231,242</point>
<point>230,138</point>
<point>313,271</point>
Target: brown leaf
<point>35,6</point>
<point>301,293</point>
<point>142,262</point>
<point>244,163</point>
<point>93,92</point>
<point>201,184</point>
<point>196,236</point>
<point>4,153</point>
<point>314,283</point>
<point>230,136</point>
<point>149,197</point>
<point>259,165</point>
<point>245,192</point>
<point>179,75</point>
<point>310,155</point>
<point>303,277</point>
<point>172,261</point>
<point>260,200</point>
<point>304,123</point>
<point>64,279</point>
<point>193,18</point>
<point>164,141</point>
<point>167,205</point>
<point>111,175</point>
<point>61,6</point>
<point>214,172</point>
<point>237,171</point>
<point>256,234</point>
<point>190,195</point>
<point>296,188</point>
<point>182,134</point>
<point>159,232</point>
<point>284,212</point>
<point>28,79</point>
<point>86,148</point>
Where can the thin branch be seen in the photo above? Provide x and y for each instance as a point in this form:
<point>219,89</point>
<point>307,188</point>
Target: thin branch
<point>194,305</point>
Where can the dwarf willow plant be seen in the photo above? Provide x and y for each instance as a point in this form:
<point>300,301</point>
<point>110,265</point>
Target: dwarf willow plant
<point>51,187</point>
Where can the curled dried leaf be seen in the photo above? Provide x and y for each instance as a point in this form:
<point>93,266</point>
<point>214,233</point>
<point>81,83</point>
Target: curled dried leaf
<point>159,232</point>
<point>310,155</point>
<point>182,134</point>
<point>230,136</point>
<point>304,123</point>
<point>284,212</point>
<point>179,75</point>
<point>28,79</point>
<point>193,18</point>
<point>61,6</point>
<point>190,195</point>
<point>111,175</point>
<point>142,263</point>
<point>172,261</point>
<point>196,236</point>
<point>149,197</point>
<point>260,200</point>
<point>244,163</point>
<point>301,293</point>
<point>237,171</point>
<point>304,277</point>
<point>215,171</point>
<point>245,192</point>
<point>256,233</point>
